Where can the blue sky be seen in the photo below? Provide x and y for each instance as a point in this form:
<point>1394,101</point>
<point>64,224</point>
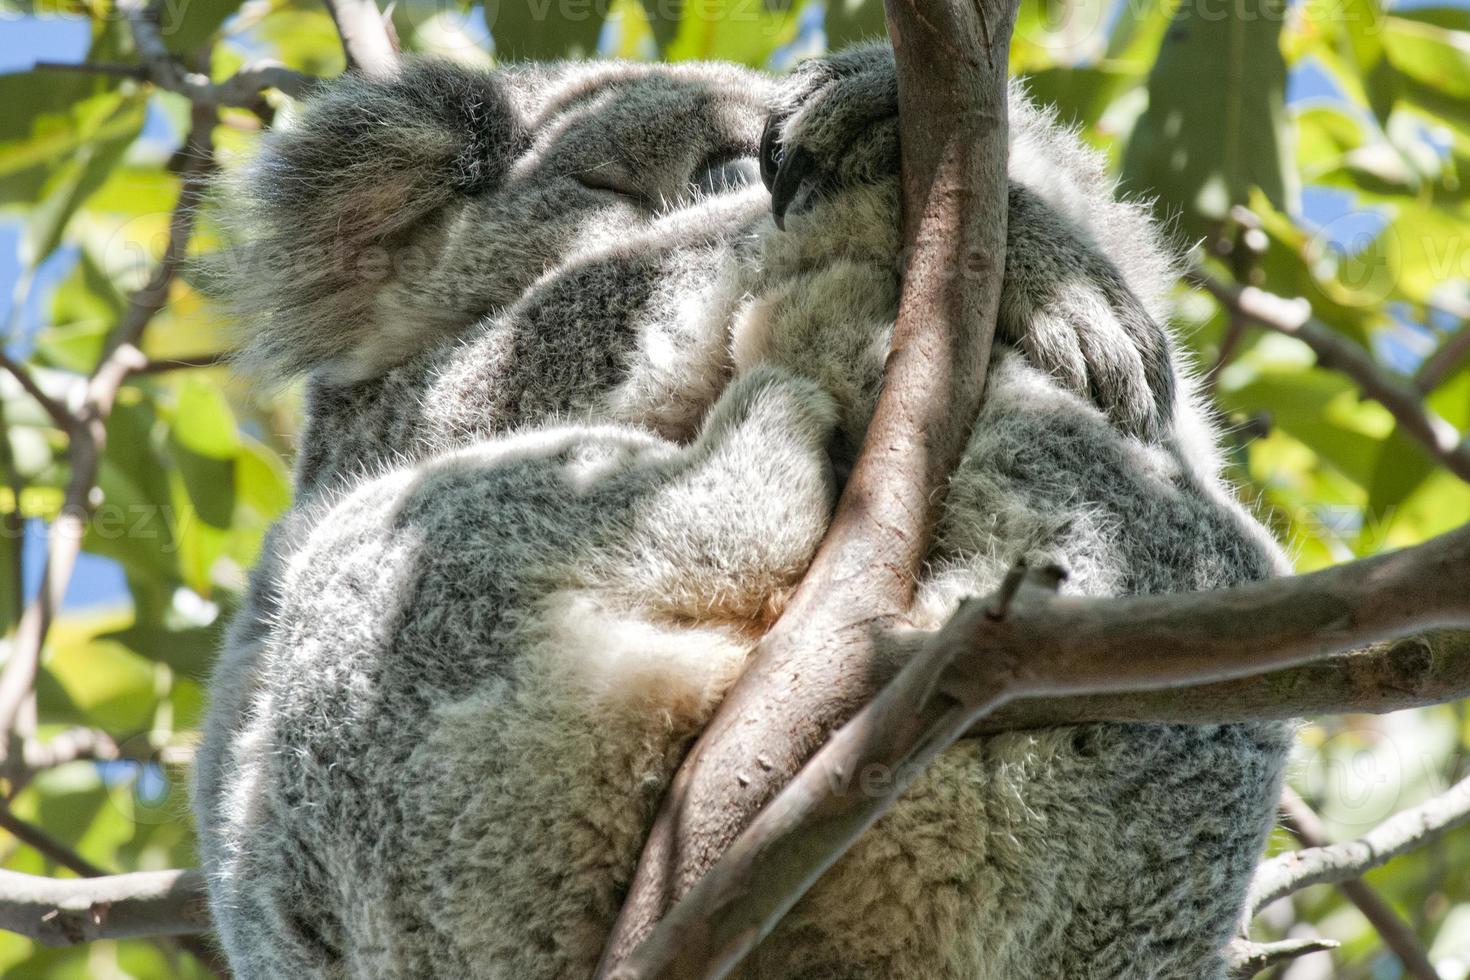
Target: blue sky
<point>25,40</point>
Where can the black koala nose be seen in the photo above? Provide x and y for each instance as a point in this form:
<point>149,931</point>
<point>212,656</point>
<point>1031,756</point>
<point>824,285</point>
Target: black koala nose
<point>723,176</point>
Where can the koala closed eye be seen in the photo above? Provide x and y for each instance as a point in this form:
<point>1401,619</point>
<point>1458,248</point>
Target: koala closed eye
<point>614,180</point>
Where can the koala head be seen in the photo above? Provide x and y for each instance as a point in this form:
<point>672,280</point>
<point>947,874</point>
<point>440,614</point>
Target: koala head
<point>392,212</point>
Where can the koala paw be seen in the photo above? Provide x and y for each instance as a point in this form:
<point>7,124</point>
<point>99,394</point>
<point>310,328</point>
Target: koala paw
<point>1065,306</point>
<point>833,125</point>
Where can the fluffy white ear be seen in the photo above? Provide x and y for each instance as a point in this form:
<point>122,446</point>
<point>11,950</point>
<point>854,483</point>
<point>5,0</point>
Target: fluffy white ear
<point>315,225</point>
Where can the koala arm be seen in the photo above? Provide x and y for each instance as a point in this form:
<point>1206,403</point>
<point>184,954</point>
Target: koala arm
<point>1077,261</point>
<point>351,199</point>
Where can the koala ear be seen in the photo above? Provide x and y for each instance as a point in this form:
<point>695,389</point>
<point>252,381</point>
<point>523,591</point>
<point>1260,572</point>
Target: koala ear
<point>410,141</point>
<point>314,219</point>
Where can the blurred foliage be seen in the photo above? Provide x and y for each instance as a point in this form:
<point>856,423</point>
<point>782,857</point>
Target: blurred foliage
<point>1189,101</point>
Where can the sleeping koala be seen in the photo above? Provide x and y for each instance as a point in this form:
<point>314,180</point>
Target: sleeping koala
<point>580,389</point>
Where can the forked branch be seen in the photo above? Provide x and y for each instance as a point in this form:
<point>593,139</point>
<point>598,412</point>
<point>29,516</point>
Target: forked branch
<point>1027,641</point>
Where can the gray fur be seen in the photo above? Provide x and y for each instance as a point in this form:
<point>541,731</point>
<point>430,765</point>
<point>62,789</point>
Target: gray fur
<point>561,470</point>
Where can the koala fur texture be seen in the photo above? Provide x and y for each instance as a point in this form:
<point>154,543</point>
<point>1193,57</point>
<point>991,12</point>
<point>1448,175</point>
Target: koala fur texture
<point>575,407</point>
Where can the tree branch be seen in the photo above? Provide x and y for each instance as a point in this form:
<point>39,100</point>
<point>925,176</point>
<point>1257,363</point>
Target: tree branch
<point>160,67</point>
<point>952,117</point>
<point>1304,824</point>
<point>89,437</point>
<point>46,845</point>
<point>241,90</point>
<point>62,912</point>
<point>1027,642</point>
<point>58,412</point>
<point>1403,400</point>
<point>1410,673</point>
<point>1245,959</point>
<point>366,37</point>
<point>1336,863</point>
<point>1442,363</point>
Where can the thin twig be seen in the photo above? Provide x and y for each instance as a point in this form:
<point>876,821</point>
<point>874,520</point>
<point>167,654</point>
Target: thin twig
<point>58,412</point>
<point>47,846</point>
<point>110,68</point>
<point>72,745</point>
<point>1293,317</point>
<point>1304,824</point>
<point>1246,958</point>
<point>159,66</point>
<point>1442,363</point>
<point>1336,863</point>
<point>62,912</point>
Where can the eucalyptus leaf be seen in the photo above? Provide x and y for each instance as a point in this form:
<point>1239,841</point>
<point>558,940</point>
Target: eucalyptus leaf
<point>1215,125</point>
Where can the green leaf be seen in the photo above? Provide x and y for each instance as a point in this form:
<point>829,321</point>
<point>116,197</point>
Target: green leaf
<point>663,18</point>
<point>186,26</point>
<point>1325,134</point>
<point>134,525</point>
<point>262,480</point>
<point>1299,402</point>
<point>851,21</point>
<point>525,29</point>
<point>1430,55</point>
<point>1403,466</point>
<point>1449,18</point>
<point>115,687</point>
<point>204,443</point>
<point>1434,66</point>
<point>1081,95</point>
<point>190,650</point>
<point>744,31</point>
<point>76,180</point>
<point>84,307</point>
<point>1202,147</point>
<point>1059,33</point>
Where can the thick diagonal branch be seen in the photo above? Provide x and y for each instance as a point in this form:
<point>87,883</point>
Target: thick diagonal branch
<point>813,669</point>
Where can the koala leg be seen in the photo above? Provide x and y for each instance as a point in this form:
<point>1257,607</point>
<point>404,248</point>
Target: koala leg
<point>737,515</point>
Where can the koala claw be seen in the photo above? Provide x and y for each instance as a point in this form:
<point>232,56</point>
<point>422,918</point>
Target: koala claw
<point>794,186</point>
<point>835,126</point>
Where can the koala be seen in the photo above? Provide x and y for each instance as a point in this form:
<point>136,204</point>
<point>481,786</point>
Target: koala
<point>588,349</point>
